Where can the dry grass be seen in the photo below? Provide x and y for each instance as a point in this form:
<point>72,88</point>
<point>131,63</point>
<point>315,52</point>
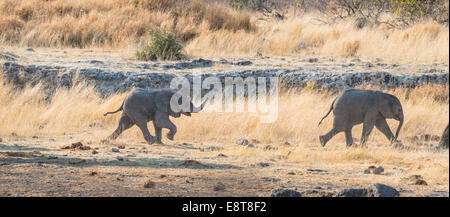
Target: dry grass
<point>211,30</point>
<point>24,114</point>
<point>303,36</point>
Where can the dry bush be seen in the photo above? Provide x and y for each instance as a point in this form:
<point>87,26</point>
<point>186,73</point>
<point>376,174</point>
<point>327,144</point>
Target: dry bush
<point>87,23</point>
<point>350,49</point>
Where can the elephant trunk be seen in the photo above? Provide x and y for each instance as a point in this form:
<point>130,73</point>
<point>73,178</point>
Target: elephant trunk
<point>398,128</point>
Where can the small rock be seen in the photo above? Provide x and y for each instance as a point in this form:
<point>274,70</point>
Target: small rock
<point>219,187</point>
<point>316,170</point>
<point>162,176</point>
<point>375,190</point>
<point>30,49</point>
<point>420,182</point>
<point>291,173</point>
<point>115,150</point>
<point>92,173</point>
<point>366,171</point>
<point>77,161</point>
<point>378,170</point>
<point>313,60</point>
<point>119,158</point>
<point>250,145</point>
<point>241,141</point>
<point>149,184</point>
<point>52,157</point>
<point>35,137</point>
<point>221,155</point>
<point>243,63</point>
<point>263,164</point>
<point>285,193</point>
<point>94,152</point>
<point>380,190</point>
<point>121,147</point>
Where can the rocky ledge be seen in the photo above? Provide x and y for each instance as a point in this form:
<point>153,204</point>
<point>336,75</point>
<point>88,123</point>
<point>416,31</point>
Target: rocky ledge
<point>107,80</point>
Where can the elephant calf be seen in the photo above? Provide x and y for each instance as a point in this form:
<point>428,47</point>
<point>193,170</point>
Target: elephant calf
<point>142,106</point>
<point>369,107</point>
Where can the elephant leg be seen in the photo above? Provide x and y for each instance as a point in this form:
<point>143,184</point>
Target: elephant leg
<point>348,137</point>
<point>325,138</point>
<point>367,129</point>
<point>162,120</point>
<point>124,123</point>
<point>158,133</point>
<point>147,136</point>
<point>337,128</point>
<point>382,126</point>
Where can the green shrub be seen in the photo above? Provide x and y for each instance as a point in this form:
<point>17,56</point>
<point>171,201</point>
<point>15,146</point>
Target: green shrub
<point>162,46</point>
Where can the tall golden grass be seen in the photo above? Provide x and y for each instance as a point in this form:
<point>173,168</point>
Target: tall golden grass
<point>79,112</point>
<point>25,113</point>
<point>211,30</point>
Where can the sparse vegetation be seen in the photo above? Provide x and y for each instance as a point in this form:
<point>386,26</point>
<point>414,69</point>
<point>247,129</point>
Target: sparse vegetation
<point>211,29</point>
<point>162,45</point>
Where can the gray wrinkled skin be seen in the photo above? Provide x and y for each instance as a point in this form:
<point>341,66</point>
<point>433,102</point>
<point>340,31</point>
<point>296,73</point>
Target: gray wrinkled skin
<point>142,106</point>
<point>371,108</point>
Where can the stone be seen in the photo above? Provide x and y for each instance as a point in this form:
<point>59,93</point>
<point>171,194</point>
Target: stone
<point>221,155</point>
<point>263,164</point>
<point>30,49</point>
<point>313,60</point>
<point>381,190</point>
<point>149,184</point>
<point>378,170</point>
<point>375,190</point>
<point>219,187</point>
<point>115,150</point>
<point>285,193</point>
<point>241,141</point>
<point>119,158</point>
<point>352,192</point>
<point>243,63</point>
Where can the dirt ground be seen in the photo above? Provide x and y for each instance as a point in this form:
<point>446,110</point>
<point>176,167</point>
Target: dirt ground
<point>55,167</point>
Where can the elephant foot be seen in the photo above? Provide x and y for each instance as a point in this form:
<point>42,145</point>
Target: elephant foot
<point>170,136</point>
<point>322,141</point>
<point>159,142</point>
<point>151,140</point>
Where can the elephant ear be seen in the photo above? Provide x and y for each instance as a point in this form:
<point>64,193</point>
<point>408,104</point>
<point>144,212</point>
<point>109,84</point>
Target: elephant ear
<point>163,103</point>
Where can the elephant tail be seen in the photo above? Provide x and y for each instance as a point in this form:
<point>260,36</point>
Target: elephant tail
<point>119,109</point>
<point>331,109</point>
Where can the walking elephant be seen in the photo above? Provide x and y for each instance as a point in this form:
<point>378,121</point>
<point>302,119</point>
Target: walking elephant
<point>142,106</point>
<point>369,107</point>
